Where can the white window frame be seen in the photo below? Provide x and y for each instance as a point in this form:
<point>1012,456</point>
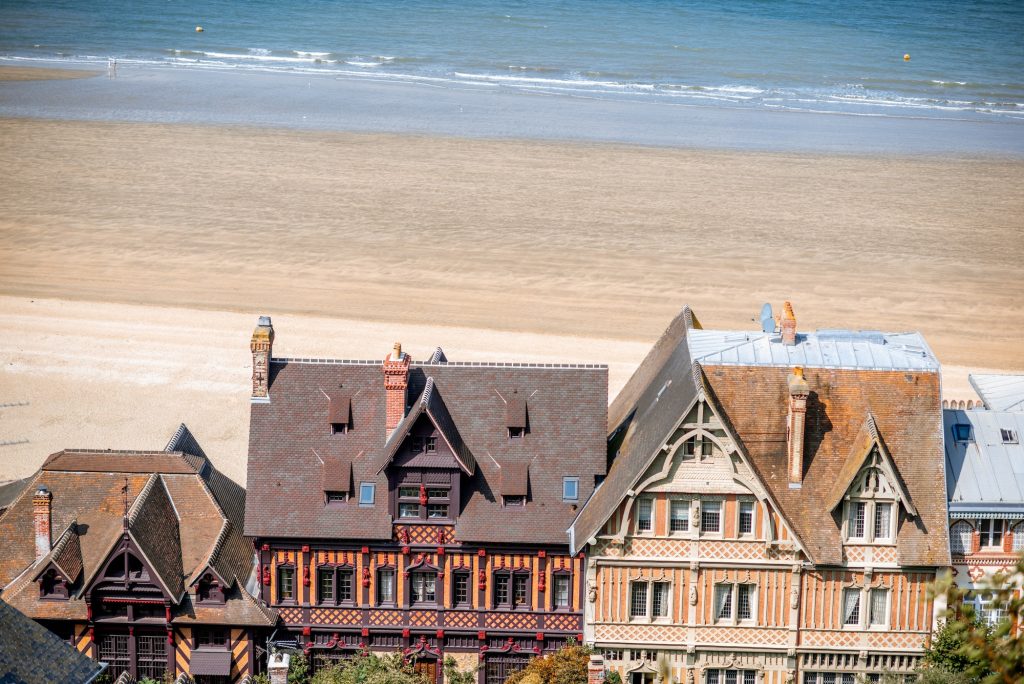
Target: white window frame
<point>739,517</point>
<point>649,615</point>
<point>986,527</point>
<point>869,521</point>
<point>687,504</point>
<point>1018,537</point>
<point>734,614</point>
<point>575,482</point>
<point>365,487</point>
<point>720,503</point>
<point>859,593</point>
<point>640,500</point>
<point>886,611</point>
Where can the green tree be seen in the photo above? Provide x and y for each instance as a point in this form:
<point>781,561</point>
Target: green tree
<point>965,645</point>
<point>567,665</point>
<point>453,675</point>
<point>367,668</point>
<point>298,669</point>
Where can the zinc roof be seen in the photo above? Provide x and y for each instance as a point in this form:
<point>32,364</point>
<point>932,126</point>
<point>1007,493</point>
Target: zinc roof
<point>850,349</point>
<point>984,474</point>
<point>999,392</point>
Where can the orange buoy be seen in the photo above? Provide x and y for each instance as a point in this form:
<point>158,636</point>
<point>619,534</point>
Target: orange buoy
<point>906,57</point>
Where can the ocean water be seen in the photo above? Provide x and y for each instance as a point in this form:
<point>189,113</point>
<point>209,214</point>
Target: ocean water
<point>966,58</point>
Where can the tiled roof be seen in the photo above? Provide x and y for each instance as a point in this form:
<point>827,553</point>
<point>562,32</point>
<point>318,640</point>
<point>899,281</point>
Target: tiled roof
<point>32,654</point>
<point>67,553</point>
<point>184,514</point>
<point>867,439</point>
<point>752,395</point>
<point>984,473</point>
<point>432,405</point>
<point>999,392</point>
<point>567,406</point>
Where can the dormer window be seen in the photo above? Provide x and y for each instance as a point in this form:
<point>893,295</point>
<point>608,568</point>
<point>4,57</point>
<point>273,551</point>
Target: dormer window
<point>515,432</point>
<point>209,590</point>
<point>1008,436</point>
<point>870,512</point>
<point>52,585</point>
<point>962,432</point>
<point>516,418</point>
<point>336,497</point>
<point>339,413</point>
<point>431,503</point>
<point>516,501</point>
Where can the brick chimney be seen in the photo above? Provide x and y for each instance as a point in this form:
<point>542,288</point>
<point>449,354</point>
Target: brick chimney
<point>277,667</point>
<point>798,392</point>
<point>261,345</point>
<point>788,325</point>
<point>396,381</point>
<point>41,515</point>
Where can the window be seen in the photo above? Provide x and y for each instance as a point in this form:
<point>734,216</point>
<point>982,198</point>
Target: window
<point>211,638</point>
<point>851,607</point>
<point>114,651</point>
<point>731,676</point>
<point>437,511</point>
<point>659,599</point>
<point>858,510</point>
<point>515,432</point>
<point>339,428</point>
<point>746,522</point>
<point>150,656</point>
<point>344,585</point>
<point>1008,436</point>
<point>638,599</point>
<point>991,533</point>
<point>960,537</point>
<point>879,608</point>
<point>502,595</point>
<point>570,489</point>
<point>734,602</point>
<point>883,521</point>
<point>325,585</point>
<point>408,510</point>
<point>696,446</point>
<point>460,589</point>
<point>386,586</point>
<point>514,500</point>
<point>424,587</point>
<point>561,590</point>
<point>644,515</point>
<point>336,497</point>
<point>836,678</point>
<point>711,517</point>
<point>410,504</point>
<point>367,491</point>
<point>987,610</point>
<point>962,432</point>
<point>1018,538</point>
<point>286,584</point>
<point>679,515</point>
<point>520,591</point>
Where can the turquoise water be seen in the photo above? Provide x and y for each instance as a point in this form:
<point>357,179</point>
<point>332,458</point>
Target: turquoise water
<point>967,58</point>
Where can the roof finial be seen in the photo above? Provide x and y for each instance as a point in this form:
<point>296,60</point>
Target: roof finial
<point>124,493</point>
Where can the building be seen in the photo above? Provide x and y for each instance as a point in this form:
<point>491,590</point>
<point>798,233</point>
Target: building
<point>422,506</point>
<point>137,559</point>
<point>985,483</point>
<point>31,654</point>
<point>1002,392</point>
<point>774,510</point>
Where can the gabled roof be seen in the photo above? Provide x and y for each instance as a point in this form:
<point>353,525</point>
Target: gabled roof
<point>984,475</point>
<point>66,555</point>
<point>568,407</point>
<point>32,654</point>
<point>87,513</point>
<point>999,392</point>
<point>864,443</point>
<point>658,395</point>
<point>431,405</point>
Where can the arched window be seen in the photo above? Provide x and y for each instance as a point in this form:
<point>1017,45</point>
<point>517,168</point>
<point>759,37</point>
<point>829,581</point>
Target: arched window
<point>1018,537</point>
<point>960,537</point>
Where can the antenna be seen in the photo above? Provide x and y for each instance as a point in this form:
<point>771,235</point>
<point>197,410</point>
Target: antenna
<point>767,319</point>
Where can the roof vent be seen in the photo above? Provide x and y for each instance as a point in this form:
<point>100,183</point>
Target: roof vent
<point>767,319</point>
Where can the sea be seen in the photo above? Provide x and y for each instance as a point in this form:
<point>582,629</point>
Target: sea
<point>940,59</point>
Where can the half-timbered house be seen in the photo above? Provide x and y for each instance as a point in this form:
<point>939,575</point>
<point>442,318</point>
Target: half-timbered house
<point>422,506</point>
<point>137,559</point>
<point>985,482</point>
<point>774,509</point>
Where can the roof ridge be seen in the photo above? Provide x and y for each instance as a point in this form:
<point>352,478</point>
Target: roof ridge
<point>136,507</point>
<point>462,364</point>
<point>213,553</point>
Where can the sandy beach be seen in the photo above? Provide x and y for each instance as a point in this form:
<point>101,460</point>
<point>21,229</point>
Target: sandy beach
<point>149,249</point>
<point>13,73</point>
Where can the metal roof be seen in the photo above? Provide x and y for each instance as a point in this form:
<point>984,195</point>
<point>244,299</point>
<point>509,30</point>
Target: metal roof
<point>999,392</point>
<point>983,472</point>
<point>820,349</point>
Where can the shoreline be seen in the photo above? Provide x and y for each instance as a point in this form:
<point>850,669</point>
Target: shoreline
<point>288,100</point>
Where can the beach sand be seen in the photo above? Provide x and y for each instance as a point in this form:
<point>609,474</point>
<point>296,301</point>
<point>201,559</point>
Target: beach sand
<point>12,73</point>
<point>150,249</point>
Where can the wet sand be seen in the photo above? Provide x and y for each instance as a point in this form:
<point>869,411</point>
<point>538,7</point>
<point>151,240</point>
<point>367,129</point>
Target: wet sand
<point>12,73</point>
<point>584,251</point>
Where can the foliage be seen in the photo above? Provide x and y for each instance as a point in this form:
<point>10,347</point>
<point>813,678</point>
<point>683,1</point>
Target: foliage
<point>298,669</point>
<point>453,675</point>
<point>613,677</point>
<point>367,668</point>
<point>567,665</point>
<point>967,646</point>
<point>936,675</point>
<point>262,678</point>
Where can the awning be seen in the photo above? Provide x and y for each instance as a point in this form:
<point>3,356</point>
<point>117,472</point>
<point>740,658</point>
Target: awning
<point>216,662</point>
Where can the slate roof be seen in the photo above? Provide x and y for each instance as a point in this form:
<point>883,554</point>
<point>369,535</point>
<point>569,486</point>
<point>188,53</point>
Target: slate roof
<point>32,654</point>
<point>751,393</point>
<point>290,435</point>
<point>984,475</point>
<point>184,514</point>
<point>999,392</point>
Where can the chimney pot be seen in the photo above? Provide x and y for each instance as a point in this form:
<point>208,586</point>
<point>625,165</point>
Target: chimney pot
<point>788,324</point>
<point>42,515</point>
<point>261,346</point>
